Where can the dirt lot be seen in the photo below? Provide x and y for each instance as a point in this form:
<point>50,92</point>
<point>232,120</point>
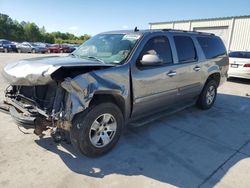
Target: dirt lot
<point>192,148</point>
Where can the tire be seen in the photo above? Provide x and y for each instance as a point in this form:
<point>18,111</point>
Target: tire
<point>206,99</point>
<point>83,131</point>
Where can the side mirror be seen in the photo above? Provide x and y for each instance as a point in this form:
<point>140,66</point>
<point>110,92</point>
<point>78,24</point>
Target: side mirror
<point>150,59</point>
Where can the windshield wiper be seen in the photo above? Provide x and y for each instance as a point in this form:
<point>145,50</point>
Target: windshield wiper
<point>95,58</point>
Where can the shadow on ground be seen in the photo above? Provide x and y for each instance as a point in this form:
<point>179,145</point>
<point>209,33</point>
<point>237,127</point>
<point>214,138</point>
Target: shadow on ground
<point>239,80</point>
<point>187,149</point>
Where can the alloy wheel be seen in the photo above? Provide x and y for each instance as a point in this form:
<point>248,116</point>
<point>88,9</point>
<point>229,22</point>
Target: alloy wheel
<point>103,130</point>
<point>210,95</point>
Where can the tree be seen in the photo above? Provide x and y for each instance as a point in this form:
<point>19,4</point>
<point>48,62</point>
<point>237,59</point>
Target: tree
<point>31,32</point>
<point>26,31</point>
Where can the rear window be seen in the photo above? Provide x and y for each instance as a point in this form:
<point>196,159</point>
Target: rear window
<point>185,49</point>
<point>212,46</point>
<point>240,55</point>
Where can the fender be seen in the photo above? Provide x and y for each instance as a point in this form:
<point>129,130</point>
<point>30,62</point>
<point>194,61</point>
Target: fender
<point>82,89</point>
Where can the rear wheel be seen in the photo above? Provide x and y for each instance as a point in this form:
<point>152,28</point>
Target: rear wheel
<point>97,130</point>
<point>208,95</point>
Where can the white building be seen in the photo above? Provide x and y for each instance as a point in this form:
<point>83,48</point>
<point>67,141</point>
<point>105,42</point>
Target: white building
<point>234,31</point>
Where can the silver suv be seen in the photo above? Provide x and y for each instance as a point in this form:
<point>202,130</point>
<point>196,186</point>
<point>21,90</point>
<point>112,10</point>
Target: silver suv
<point>115,79</point>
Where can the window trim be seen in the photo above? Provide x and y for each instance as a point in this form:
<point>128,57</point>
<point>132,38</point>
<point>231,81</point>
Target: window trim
<point>195,49</point>
<point>140,66</point>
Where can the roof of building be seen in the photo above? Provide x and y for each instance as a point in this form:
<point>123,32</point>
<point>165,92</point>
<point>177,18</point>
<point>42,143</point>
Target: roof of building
<point>205,19</point>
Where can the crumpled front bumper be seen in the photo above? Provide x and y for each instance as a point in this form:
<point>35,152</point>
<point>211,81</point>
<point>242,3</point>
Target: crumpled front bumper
<point>19,114</point>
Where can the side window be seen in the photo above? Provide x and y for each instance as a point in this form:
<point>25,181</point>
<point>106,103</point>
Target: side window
<point>185,49</point>
<point>158,46</point>
<point>212,46</point>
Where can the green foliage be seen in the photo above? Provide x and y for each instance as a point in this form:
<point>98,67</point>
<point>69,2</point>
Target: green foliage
<point>26,31</point>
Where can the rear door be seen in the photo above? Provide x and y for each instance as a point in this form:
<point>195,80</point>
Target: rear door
<point>190,71</point>
<point>154,86</point>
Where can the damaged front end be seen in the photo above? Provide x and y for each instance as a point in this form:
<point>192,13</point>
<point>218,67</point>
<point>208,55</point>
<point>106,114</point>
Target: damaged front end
<point>36,106</point>
<point>49,98</point>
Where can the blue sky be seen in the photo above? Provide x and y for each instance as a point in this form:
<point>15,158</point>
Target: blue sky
<point>94,16</point>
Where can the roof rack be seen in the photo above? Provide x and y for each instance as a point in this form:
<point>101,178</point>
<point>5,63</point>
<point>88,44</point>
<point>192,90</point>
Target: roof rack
<point>185,31</point>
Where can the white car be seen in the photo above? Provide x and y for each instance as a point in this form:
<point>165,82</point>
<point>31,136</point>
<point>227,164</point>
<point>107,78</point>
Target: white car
<point>239,64</point>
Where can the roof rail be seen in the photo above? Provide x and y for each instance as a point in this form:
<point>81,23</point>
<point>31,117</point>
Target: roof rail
<point>185,31</point>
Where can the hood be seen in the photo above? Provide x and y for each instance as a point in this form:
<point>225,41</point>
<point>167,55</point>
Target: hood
<point>37,71</point>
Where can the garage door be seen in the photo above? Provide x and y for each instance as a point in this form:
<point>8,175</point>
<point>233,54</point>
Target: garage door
<point>222,32</point>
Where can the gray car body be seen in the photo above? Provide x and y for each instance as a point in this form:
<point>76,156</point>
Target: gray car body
<point>29,47</point>
<point>137,91</point>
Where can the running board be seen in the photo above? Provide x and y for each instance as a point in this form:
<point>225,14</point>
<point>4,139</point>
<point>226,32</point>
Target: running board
<point>149,119</point>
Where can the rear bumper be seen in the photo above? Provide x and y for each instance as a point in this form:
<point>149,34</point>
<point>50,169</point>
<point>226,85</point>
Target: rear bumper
<point>241,72</point>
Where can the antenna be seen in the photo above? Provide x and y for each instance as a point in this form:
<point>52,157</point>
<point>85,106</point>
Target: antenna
<point>136,29</point>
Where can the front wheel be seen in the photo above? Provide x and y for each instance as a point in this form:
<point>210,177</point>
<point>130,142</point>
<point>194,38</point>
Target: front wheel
<point>97,130</point>
<point>208,95</point>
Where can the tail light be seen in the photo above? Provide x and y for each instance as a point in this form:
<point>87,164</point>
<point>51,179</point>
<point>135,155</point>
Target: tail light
<point>247,65</point>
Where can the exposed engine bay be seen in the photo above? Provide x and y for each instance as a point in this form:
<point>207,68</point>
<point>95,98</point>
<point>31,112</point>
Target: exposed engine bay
<point>43,102</point>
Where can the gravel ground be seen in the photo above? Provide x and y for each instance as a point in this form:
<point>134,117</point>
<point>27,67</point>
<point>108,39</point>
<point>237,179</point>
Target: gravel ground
<point>192,148</point>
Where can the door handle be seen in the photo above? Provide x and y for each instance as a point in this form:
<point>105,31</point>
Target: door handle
<point>171,73</point>
<point>197,68</point>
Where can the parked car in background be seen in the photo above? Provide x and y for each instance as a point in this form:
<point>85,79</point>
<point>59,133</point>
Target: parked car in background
<point>7,46</point>
<point>59,48</point>
<point>239,64</point>
<point>115,79</point>
<point>73,47</point>
<point>45,45</point>
<point>28,47</point>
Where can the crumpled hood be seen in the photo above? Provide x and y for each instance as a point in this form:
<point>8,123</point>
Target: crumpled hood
<point>37,71</point>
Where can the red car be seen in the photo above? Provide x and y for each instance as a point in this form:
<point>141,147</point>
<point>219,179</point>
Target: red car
<point>59,48</point>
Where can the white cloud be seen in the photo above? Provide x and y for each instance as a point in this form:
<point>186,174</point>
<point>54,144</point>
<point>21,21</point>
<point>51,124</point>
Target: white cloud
<point>73,28</point>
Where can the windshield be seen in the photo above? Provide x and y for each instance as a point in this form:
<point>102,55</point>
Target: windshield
<point>240,55</point>
<point>108,48</point>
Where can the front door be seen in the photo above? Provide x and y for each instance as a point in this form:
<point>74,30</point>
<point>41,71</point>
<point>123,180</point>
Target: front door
<point>154,86</point>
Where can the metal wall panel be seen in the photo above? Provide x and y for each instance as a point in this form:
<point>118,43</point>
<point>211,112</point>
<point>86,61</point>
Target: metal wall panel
<point>162,26</point>
<point>182,25</point>
<point>235,37</point>
<point>241,35</point>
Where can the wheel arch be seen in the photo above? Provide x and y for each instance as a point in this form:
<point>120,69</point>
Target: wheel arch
<point>215,76</point>
<point>109,97</point>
